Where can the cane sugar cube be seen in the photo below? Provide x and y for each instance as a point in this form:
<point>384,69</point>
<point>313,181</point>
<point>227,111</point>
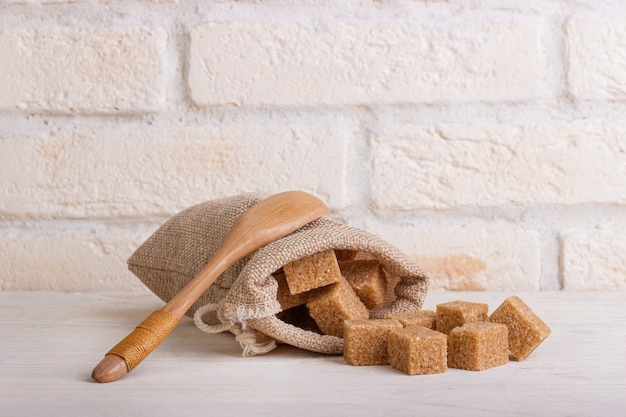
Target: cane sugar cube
<point>311,272</point>
<point>284,296</point>
<point>330,306</point>
<point>478,346</point>
<point>346,254</point>
<point>368,280</point>
<point>422,318</point>
<point>365,341</point>
<point>526,329</point>
<point>417,350</point>
<point>457,313</point>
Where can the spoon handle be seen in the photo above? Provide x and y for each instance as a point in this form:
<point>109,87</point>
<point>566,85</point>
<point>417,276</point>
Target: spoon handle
<point>143,340</point>
<point>139,343</point>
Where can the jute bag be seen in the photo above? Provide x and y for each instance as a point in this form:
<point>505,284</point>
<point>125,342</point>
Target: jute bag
<point>243,299</point>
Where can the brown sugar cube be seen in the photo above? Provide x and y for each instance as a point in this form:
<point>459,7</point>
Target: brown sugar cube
<point>284,296</point>
<point>422,318</point>
<point>332,305</point>
<point>312,272</point>
<point>478,346</point>
<point>346,254</point>
<point>365,341</point>
<point>368,280</point>
<point>418,350</point>
<point>526,329</point>
<point>457,313</point>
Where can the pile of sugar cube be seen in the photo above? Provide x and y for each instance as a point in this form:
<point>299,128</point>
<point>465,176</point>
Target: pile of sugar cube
<point>332,292</point>
<point>321,291</point>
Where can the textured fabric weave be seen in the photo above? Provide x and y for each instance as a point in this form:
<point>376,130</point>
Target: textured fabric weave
<point>245,294</point>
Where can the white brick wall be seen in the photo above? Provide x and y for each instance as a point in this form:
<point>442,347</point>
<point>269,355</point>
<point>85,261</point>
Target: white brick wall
<point>597,55</point>
<point>354,63</point>
<point>69,258</point>
<point>487,139</point>
<point>472,259</point>
<point>594,253</point>
<point>77,70</point>
<point>143,172</point>
<point>455,166</point>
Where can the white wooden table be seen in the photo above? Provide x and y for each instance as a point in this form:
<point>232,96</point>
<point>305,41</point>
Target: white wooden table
<point>50,341</point>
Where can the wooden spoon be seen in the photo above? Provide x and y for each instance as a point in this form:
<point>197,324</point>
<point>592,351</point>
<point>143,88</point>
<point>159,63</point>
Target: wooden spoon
<point>263,223</point>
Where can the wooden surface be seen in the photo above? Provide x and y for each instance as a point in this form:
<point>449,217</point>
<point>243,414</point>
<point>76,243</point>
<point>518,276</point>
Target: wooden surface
<point>49,342</point>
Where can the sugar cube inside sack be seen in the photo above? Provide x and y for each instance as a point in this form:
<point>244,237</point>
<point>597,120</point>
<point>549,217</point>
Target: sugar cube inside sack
<point>299,316</point>
<point>311,272</point>
<point>284,296</point>
<point>368,280</point>
<point>346,254</point>
<point>331,305</point>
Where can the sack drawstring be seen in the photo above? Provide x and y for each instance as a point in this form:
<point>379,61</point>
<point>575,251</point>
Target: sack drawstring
<point>252,342</point>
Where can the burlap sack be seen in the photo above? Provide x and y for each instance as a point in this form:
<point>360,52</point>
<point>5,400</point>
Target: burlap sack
<point>243,299</point>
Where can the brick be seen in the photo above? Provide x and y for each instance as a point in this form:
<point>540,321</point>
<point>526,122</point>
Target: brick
<point>596,58</point>
<point>455,166</point>
<point>245,63</point>
<point>472,259</point>
<point>593,259</point>
<point>70,259</point>
<point>76,70</point>
<point>107,172</point>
